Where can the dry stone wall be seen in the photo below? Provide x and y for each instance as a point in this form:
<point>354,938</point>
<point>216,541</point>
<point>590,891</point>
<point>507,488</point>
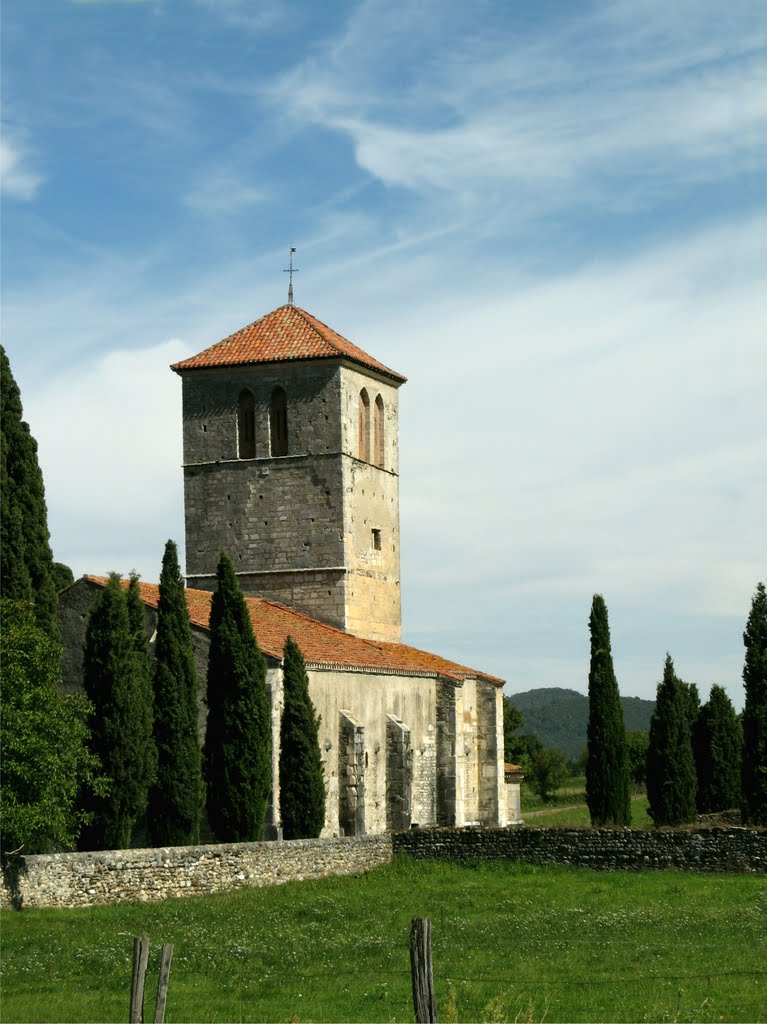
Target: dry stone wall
<point>707,849</point>
<point>89,879</point>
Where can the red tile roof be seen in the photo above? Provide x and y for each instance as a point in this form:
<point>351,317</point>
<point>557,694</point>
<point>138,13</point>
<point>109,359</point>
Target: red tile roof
<point>284,335</point>
<point>320,644</point>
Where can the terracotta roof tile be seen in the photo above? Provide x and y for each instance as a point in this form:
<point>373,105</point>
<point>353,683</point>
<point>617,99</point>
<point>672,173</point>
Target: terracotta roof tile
<point>284,335</point>
<point>321,645</point>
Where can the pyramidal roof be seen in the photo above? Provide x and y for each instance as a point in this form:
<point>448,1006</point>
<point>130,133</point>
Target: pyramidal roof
<point>321,644</point>
<point>284,335</point>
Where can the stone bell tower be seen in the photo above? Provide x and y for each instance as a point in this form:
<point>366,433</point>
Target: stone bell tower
<point>291,467</point>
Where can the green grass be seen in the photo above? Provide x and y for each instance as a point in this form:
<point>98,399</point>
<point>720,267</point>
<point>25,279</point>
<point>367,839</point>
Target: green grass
<point>578,817</point>
<point>510,942</point>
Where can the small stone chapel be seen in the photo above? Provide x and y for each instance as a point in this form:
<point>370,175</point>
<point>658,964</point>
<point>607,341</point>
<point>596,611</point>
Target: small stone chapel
<point>290,461</point>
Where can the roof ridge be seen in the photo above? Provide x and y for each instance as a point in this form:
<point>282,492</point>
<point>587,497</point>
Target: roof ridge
<point>386,656</point>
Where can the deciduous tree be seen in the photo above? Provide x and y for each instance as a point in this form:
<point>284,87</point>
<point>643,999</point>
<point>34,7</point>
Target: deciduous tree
<point>302,777</point>
<point>237,752</point>
<point>671,783</point>
<point>45,758</point>
<point>754,805</point>
<point>175,800</point>
<point>512,721</point>
<point>548,771</point>
<point>717,741</point>
<point>607,776</point>
<point>637,743</point>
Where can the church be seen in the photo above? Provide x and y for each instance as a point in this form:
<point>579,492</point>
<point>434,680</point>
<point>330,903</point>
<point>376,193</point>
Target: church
<point>290,462</point>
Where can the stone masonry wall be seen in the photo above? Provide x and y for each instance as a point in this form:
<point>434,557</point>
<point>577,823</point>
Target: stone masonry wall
<point>708,849</point>
<point>88,879</point>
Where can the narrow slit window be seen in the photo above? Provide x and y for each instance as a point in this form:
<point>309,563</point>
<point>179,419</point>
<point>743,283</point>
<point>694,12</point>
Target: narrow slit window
<point>246,426</point>
<point>279,422</point>
<point>376,540</point>
<point>364,427</point>
<point>378,432</point>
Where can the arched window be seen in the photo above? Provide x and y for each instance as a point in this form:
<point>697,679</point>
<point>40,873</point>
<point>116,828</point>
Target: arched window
<point>364,427</point>
<point>378,432</point>
<point>246,426</point>
<point>279,422</point>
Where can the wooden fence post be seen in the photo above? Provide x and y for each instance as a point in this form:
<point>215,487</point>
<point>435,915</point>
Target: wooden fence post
<point>162,984</point>
<point>140,957</point>
<point>424,1003</point>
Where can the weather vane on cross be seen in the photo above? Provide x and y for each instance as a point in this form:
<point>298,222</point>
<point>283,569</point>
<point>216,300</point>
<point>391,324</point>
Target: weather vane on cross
<point>291,270</point>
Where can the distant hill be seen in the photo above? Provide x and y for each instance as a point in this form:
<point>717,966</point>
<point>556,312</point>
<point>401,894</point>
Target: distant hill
<point>559,717</point>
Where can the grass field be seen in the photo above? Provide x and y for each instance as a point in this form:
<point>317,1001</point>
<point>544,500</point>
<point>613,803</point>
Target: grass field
<point>510,943</point>
<point>578,817</point>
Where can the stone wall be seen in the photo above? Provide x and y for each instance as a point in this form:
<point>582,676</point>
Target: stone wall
<point>706,849</point>
<point>88,879</point>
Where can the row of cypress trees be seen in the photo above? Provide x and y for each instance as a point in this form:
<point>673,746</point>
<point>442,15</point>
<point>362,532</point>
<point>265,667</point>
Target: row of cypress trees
<point>144,722</point>
<point>699,759</point>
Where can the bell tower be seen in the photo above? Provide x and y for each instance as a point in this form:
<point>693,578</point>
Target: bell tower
<point>291,466</point>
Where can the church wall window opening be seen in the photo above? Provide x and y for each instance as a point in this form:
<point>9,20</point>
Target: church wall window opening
<point>278,417</point>
<point>246,426</point>
<point>378,432</point>
<point>364,426</point>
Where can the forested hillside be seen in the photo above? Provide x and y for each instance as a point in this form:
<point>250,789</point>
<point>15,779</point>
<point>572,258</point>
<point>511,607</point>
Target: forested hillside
<point>558,717</point>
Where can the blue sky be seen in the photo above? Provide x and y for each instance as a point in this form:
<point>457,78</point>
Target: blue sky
<point>550,216</point>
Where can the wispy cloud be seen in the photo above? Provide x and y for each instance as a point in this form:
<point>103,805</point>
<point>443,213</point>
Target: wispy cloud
<point>243,14</point>
<point>223,192</point>
<point>538,116</point>
<point>17,178</point>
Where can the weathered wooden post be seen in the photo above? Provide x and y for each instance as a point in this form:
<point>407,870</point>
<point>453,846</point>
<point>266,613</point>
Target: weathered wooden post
<point>140,957</point>
<point>424,1004</point>
<point>162,984</point>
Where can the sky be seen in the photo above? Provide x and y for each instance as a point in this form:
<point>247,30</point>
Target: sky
<point>549,215</point>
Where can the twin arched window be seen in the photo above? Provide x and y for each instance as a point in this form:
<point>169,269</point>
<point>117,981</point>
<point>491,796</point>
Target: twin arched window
<point>363,448</point>
<point>246,424</point>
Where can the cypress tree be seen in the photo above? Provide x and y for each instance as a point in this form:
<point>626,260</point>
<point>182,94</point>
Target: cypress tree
<point>717,741</point>
<point>237,755</point>
<point>754,806</point>
<point>302,782</point>
<point>115,688</point>
<point>607,771</point>
<point>671,783</point>
<point>146,749</point>
<point>25,550</point>
<point>175,800</point>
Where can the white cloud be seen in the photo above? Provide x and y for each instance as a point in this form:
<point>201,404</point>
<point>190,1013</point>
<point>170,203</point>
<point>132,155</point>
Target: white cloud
<point>17,179</point>
<point>109,437</point>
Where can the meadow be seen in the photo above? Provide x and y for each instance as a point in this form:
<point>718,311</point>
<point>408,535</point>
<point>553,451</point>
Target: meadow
<point>577,816</point>
<point>510,943</point>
